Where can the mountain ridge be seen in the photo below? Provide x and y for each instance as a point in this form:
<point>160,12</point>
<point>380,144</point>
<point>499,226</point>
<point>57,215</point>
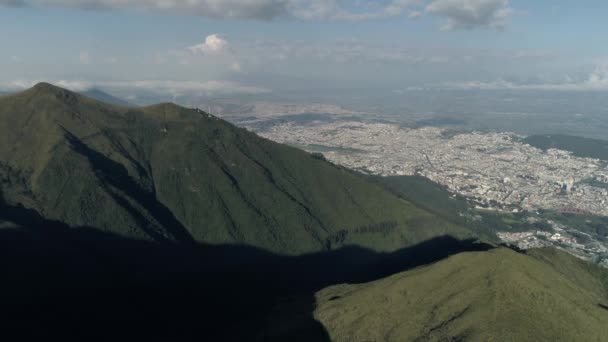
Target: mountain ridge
<point>164,165</point>
<point>517,297</point>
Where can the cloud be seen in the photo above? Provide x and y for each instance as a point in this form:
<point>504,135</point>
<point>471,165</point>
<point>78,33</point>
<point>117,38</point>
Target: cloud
<point>158,86</point>
<point>190,87</point>
<point>354,11</point>
<point>459,14</point>
<point>74,85</point>
<point>414,14</point>
<point>350,51</point>
<point>247,9</point>
<point>213,44</point>
<point>256,9</point>
<point>596,80</point>
<point>471,14</point>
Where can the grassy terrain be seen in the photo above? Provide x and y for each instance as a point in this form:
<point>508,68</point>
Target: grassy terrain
<point>590,224</point>
<point>165,223</point>
<point>82,284</point>
<point>455,208</point>
<point>496,295</point>
<point>168,173</point>
<point>579,146</point>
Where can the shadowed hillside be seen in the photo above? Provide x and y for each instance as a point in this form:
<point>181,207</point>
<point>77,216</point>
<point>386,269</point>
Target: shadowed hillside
<point>165,223</point>
<point>83,284</point>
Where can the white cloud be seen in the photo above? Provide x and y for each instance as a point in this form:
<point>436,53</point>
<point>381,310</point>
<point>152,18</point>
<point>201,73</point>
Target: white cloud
<point>354,11</point>
<point>158,86</point>
<point>213,44</point>
<point>414,14</point>
<point>459,14</point>
<point>597,80</point>
<point>184,87</point>
<point>337,51</point>
<point>236,67</point>
<point>470,14</point>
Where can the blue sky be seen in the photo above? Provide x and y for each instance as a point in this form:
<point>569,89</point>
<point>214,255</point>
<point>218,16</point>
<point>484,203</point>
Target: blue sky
<point>260,46</point>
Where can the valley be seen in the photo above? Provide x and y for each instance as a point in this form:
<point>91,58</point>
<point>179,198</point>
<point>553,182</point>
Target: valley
<point>497,172</point>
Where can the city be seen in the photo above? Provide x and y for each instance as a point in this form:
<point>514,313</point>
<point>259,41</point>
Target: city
<point>495,171</point>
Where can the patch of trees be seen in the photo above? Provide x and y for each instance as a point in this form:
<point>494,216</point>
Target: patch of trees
<point>340,237</point>
<point>382,227</point>
<point>318,155</point>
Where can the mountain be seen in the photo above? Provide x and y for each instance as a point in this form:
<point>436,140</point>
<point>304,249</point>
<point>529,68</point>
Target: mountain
<point>495,295</point>
<point>166,223</point>
<point>171,174</point>
<point>105,97</point>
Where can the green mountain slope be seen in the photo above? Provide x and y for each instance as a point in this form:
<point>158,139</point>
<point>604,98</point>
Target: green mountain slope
<point>496,295</point>
<point>169,173</point>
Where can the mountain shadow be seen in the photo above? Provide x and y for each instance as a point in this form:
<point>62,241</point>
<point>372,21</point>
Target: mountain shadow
<point>79,283</point>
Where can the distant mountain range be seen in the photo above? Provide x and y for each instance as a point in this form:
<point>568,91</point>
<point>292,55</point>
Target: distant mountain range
<point>167,223</point>
<point>105,97</point>
<point>96,94</point>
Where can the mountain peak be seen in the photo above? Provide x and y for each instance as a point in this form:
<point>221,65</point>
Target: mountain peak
<point>45,86</point>
<point>48,89</point>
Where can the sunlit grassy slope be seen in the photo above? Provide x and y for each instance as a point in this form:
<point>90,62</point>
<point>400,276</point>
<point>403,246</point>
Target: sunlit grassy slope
<point>497,295</point>
<point>166,172</point>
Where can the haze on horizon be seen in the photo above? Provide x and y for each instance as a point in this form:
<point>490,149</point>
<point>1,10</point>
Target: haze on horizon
<point>261,47</point>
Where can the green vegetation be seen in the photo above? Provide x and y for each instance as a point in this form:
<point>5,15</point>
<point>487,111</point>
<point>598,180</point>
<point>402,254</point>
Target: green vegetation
<point>590,224</point>
<point>435,198</point>
<point>185,226</point>
<point>497,295</point>
<point>579,146</point>
<point>168,173</point>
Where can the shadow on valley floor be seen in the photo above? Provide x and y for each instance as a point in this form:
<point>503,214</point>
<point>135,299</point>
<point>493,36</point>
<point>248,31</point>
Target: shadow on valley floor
<point>83,284</point>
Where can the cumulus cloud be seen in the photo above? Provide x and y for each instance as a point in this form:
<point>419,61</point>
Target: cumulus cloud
<point>470,14</point>
<point>158,86</point>
<point>213,44</point>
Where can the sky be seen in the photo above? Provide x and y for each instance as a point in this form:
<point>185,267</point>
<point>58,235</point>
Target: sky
<point>270,46</point>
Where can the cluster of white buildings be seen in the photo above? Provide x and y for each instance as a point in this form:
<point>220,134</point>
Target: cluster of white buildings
<point>496,170</point>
